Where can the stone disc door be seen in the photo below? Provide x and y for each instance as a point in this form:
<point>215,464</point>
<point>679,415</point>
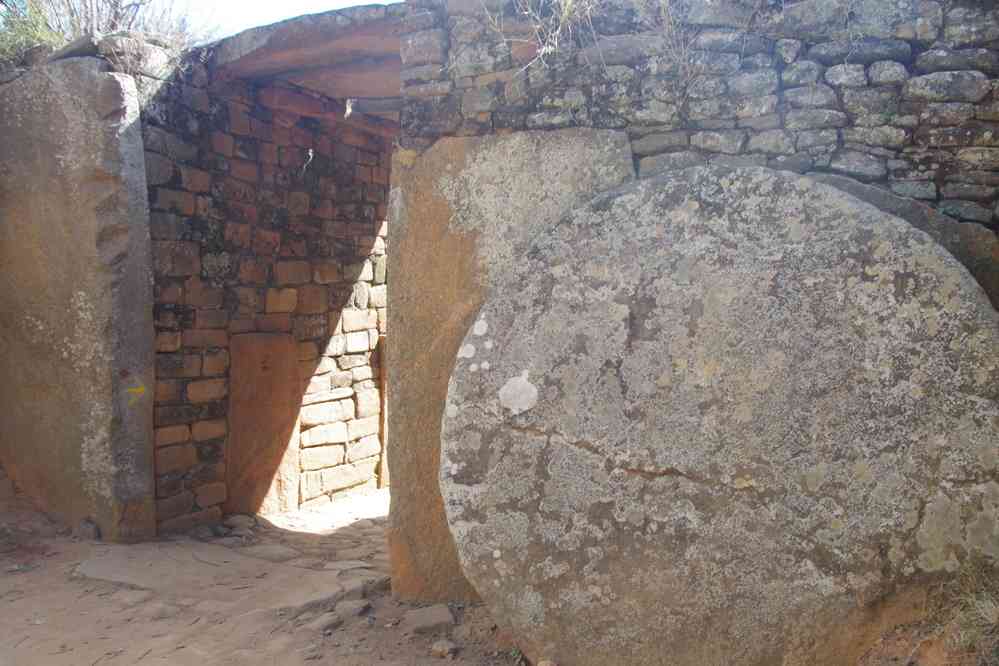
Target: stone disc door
<point>262,471</point>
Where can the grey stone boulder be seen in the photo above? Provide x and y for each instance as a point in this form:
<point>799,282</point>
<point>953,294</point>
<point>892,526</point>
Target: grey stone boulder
<point>966,86</point>
<point>722,417</point>
<point>940,59</point>
<point>863,51</point>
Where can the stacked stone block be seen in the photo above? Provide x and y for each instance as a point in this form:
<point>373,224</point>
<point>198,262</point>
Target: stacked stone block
<point>262,221</point>
<point>907,99</point>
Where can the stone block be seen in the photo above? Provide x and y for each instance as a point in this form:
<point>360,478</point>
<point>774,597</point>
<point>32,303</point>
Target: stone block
<point>320,457</point>
<point>847,76</point>
<point>174,506</point>
<point>201,338</point>
<point>423,47</point>
<point>176,258</point>
<point>359,428</point>
<point>368,403</point>
<point>292,272</point>
<point>354,320</point>
<point>312,299</point>
<point>942,59</point>
<point>327,412</point>
<point>804,119</point>
<point>778,142</point>
<point>207,390</point>
<point>210,494</point>
<point>863,51</point>
<point>366,447</point>
<point>215,363</point>
<point>887,73</point>
<point>326,272</point>
<point>357,342</point>
<point>178,365</point>
<point>802,73</point>
<point>972,25</point>
<point>281,300</point>
<point>206,430</point>
<point>172,435</point>
<point>859,165</point>
<point>329,433</point>
<point>168,341</point>
<point>817,95</point>
<point>176,458</point>
<point>337,344</point>
<point>669,162</point>
<point>965,210</point>
<point>948,87</point>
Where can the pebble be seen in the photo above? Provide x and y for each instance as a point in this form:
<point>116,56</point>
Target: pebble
<point>354,607</point>
<point>240,521</point>
<point>429,620</point>
<point>443,649</point>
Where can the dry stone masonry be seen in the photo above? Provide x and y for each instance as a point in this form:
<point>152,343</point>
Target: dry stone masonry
<point>719,414</point>
<point>902,94</point>
<point>263,222</point>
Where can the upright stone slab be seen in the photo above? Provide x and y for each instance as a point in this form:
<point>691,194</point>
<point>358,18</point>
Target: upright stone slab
<point>76,305</point>
<point>462,214</point>
<point>722,417</point>
<point>262,467</point>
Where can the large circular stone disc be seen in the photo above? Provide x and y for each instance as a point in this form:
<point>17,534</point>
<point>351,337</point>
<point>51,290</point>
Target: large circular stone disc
<point>723,414</point>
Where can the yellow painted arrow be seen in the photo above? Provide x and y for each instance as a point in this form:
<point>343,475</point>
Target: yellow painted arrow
<point>137,393</point>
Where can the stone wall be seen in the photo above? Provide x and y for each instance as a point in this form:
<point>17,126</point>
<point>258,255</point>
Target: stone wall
<point>902,97</point>
<point>262,222</point>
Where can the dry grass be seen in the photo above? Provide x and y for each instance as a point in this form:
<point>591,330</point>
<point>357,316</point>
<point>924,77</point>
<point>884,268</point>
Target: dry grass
<point>974,625</point>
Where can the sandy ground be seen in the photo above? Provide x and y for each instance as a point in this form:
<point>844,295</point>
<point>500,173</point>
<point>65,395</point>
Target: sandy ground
<point>307,588</point>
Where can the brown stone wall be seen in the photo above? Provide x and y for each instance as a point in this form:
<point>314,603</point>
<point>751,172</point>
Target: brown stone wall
<point>262,222</point>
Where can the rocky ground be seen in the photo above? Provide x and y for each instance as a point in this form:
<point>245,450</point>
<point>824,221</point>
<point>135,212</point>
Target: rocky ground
<point>306,588</point>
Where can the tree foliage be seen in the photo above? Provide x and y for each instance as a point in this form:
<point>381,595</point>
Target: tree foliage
<point>24,23</point>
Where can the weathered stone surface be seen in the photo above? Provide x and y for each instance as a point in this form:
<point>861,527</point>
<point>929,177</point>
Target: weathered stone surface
<point>262,462</point>
<point>76,328</point>
<point>948,87</point>
<point>669,162</point>
<point>473,203</point>
<point>813,96</point>
<point>819,20</point>
<point>830,384</point>
<point>887,73</point>
<point>972,25</point>
<point>863,51</point>
<point>943,59</point>
<point>972,244</point>
<point>849,76</point>
<point>802,73</point>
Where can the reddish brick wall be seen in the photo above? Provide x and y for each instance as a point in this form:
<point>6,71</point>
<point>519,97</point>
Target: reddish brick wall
<point>262,221</point>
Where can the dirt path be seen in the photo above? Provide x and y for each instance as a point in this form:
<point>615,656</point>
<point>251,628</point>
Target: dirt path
<point>302,589</point>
